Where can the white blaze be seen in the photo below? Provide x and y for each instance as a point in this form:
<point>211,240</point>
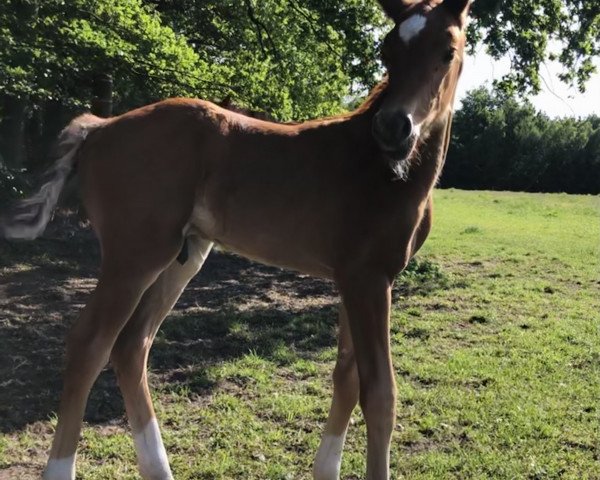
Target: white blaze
<point>60,469</point>
<point>151,453</point>
<point>411,27</point>
<point>329,458</point>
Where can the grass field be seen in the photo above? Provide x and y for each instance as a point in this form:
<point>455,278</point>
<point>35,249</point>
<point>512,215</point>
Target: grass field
<point>496,341</point>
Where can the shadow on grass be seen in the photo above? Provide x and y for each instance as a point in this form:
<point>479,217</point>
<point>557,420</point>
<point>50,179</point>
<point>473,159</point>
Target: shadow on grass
<point>232,307</point>
<point>189,345</point>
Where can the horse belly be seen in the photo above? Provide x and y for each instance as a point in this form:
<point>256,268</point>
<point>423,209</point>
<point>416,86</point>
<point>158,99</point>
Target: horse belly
<point>267,237</point>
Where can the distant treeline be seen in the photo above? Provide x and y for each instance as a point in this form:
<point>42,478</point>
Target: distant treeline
<point>501,144</point>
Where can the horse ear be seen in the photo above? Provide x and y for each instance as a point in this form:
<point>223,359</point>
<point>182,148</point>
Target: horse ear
<point>394,8</point>
<point>457,7</point>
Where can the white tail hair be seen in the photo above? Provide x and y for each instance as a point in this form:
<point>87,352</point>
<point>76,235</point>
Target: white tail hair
<point>28,217</point>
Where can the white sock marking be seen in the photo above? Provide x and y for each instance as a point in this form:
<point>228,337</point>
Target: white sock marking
<point>328,461</point>
<point>151,453</point>
<point>60,469</point>
<point>411,27</point>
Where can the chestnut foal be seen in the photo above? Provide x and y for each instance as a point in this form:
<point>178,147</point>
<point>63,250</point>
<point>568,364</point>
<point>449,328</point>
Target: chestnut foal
<point>346,198</point>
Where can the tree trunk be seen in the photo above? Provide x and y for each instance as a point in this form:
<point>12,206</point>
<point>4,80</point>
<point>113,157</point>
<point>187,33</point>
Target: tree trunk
<point>12,131</point>
<point>52,118</point>
<point>102,90</point>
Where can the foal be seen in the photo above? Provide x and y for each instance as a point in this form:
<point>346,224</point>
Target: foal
<point>346,198</point>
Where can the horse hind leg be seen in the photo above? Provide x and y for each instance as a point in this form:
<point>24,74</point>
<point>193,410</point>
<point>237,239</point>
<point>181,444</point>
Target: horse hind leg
<point>127,270</point>
<point>129,358</point>
<point>345,397</point>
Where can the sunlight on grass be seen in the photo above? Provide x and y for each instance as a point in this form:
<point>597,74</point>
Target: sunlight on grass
<point>496,346</point>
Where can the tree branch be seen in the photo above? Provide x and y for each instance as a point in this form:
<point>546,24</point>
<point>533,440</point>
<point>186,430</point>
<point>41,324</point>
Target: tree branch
<point>310,22</point>
<point>261,27</point>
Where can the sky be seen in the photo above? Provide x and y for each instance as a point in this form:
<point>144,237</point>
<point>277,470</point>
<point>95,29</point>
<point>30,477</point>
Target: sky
<point>556,98</point>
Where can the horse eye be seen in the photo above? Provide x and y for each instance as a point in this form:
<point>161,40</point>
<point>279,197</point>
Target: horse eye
<point>449,55</point>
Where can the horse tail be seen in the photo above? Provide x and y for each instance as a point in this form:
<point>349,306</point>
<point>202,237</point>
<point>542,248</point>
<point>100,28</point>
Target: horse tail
<point>27,219</point>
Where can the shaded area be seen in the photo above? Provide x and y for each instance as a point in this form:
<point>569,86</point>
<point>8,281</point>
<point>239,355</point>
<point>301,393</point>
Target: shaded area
<point>232,307</point>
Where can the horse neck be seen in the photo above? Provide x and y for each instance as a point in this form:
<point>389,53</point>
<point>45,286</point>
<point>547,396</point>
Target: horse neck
<point>428,159</point>
<point>355,129</point>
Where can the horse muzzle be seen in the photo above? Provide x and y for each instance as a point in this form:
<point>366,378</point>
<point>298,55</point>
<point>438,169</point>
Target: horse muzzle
<point>395,133</point>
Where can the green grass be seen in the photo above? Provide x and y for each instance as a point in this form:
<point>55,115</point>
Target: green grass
<point>496,343</point>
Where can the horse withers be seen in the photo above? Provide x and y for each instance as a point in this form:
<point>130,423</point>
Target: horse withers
<point>346,198</point>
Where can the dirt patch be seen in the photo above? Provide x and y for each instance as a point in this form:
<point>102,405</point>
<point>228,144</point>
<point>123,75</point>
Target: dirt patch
<point>22,472</point>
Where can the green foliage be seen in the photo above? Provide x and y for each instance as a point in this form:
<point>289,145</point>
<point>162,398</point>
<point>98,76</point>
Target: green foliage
<point>52,49</point>
<point>501,144</point>
<point>532,31</point>
<point>293,59</point>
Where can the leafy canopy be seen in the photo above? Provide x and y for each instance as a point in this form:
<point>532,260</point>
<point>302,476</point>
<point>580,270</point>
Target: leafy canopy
<point>293,58</point>
<point>533,31</point>
<point>51,49</point>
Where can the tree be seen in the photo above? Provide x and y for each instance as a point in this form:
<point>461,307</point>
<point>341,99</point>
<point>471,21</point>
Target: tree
<point>53,49</point>
<point>295,59</point>
<point>499,143</point>
<point>528,31</point>
<point>533,31</point>
<point>53,52</point>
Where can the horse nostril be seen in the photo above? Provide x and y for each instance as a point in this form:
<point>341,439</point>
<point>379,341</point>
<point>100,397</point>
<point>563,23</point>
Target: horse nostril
<point>392,127</point>
<point>405,125</point>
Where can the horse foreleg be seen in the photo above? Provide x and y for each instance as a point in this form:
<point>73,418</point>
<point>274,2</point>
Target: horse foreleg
<point>367,299</point>
<point>345,397</point>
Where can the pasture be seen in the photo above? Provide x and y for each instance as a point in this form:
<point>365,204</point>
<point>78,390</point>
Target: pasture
<point>496,341</point>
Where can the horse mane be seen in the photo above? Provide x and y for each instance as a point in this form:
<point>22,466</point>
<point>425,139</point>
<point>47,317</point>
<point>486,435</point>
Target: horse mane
<point>228,104</point>
<point>374,95</point>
